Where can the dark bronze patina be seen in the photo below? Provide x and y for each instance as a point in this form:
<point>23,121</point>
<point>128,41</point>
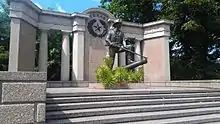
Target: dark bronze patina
<point>116,42</point>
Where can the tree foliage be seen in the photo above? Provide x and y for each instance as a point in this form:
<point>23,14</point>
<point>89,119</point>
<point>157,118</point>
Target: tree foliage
<point>139,11</point>
<point>4,34</point>
<point>194,44</point>
<point>196,34</point>
<point>54,54</point>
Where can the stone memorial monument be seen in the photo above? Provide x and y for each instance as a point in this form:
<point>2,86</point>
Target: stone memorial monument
<point>23,91</point>
<point>89,30</point>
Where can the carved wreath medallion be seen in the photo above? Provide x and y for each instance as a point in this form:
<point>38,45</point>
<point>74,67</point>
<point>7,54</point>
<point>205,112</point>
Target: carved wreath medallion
<point>97,27</point>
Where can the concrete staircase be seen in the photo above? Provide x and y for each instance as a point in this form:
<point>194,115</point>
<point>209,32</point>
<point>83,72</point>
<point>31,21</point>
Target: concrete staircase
<point>185,106</point>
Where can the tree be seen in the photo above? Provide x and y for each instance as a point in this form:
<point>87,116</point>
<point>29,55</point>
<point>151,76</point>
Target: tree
<point>4,34</point>
<point>139,11</point>
<point>54,56</point>
<point>196,33</point>
<point>194,45</point>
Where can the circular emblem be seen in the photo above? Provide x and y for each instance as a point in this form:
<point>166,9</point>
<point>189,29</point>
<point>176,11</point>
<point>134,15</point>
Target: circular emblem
<point>97,27</point>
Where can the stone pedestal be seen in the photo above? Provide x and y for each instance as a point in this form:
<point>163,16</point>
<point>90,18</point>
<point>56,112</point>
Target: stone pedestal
<point>22,46</point>
<point>23,97</point>
<point>65,57</point>
<point>156,48</point>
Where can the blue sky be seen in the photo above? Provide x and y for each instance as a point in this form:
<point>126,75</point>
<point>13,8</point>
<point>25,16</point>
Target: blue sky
<point>69,6</point>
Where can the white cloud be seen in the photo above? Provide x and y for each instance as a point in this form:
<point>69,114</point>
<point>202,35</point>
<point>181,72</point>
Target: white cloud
<point>59,8</point>
<point>96,0</point>
<point>38,5</point>
<point>1,9</point>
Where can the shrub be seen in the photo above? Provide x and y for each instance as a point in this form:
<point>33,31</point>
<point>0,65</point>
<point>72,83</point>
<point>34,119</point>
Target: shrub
<point>109,78</point>
<point>121,75</point>
<point>136,76</point>
<point>105,75</point>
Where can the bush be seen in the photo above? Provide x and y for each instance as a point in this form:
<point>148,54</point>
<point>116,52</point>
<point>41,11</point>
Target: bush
<point>105,75</point>
<point>121,75</point>
<point>109,78</point>
<point>136,77</point>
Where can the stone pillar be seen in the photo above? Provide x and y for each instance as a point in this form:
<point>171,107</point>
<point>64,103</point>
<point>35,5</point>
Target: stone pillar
<point>122,59</point>
<point>116,62</point>
<point>43,51</point>
<point>22,46</point>
<point>23,97</point>
<point>78,56</point>
<point>156,48</point>
<point>79,28</point>
<point>138,51</point>
<point>65,57</point>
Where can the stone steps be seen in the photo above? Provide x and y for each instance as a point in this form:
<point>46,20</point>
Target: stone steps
<point>126,109</point>
<point>131,106</point>
<point>117,118</point>
<point>126,97</point>
<point>125,92</point>
<point>201,119</point>
<point>217,122</point>
<point>84,105</point>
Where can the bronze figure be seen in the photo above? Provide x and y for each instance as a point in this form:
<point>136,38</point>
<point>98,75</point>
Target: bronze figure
<point>115,42</point>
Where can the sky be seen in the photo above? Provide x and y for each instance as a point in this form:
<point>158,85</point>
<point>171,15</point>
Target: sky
<point>68,6</point>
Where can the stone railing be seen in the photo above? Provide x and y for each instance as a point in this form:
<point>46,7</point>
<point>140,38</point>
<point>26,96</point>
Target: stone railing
<point>23,96</point>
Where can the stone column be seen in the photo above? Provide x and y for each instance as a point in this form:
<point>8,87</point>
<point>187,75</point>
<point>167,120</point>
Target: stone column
<point>138,51</point>
<point>65,57</point>
<point>43,51</point>
<point>122,59</point>
<point>116,62</point>
<point>156,48</point>
<point>78,56</point>
<point>22,46</point>
<point>79,28</point>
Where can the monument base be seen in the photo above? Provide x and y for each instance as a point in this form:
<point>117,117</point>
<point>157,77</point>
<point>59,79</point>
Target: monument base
<point>22,97</point>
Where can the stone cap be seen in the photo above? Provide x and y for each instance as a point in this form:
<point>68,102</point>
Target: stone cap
<point>29,3</point>
<point>79,15</point>
<point>23,76</point>
<point>102,10</point>
<point>168,22</point>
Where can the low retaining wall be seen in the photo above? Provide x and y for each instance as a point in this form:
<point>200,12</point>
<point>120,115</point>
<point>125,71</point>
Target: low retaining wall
<point>214,84</point>
<point>23,97</point>
<point>60,84</point>
<point>194,83</point>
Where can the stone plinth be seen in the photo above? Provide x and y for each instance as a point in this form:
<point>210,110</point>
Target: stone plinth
<point>156,48</point>
<point>22,97</point>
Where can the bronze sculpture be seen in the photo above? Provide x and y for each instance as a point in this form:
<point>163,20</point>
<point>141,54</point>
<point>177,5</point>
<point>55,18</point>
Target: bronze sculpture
<point>115,42</point>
